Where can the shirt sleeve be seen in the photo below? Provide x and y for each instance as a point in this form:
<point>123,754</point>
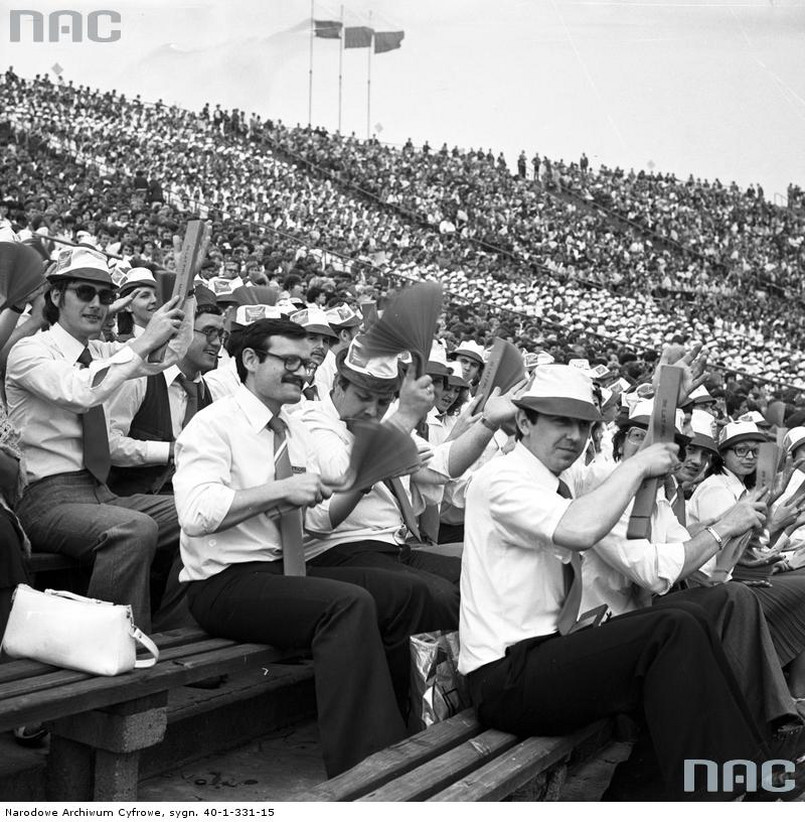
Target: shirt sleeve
<point>525,514</point>
<point>203,479</point>
<point>121,409</point>
<point>32,367</point>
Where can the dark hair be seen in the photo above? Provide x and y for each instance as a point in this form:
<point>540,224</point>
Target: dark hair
<point>50,311</point>
<point>258,336</point>
<point>209,308</point>
<point>717,466</point>
<point>532,417</point>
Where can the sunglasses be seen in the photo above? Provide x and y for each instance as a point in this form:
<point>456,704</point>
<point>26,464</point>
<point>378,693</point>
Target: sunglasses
<point>87,293</point>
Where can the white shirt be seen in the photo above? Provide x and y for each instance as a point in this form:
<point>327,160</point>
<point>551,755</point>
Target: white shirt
<point>623,573</point>
<point>377,515</point>
<point>47,391</point>
<point>714,496</point>
<point>512,580</point>
<point>123,406</point>
<point>227,447</point>
<point>223,381</point>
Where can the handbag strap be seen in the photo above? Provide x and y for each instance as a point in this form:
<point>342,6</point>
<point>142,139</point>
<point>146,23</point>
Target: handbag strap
<point>149,646</point>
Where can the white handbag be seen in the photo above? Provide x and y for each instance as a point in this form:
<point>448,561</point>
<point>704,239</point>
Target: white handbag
<point>71,631</point>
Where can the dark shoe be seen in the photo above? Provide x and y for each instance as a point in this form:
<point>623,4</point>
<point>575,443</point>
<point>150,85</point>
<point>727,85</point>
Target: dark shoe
<point>31,736</point>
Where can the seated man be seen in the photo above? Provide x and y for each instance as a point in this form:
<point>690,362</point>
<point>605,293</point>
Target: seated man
<point>529,672</point>
<point>56,384</point>
<point>147,414</point>
<point>379,528</point>
<point>240,512</point>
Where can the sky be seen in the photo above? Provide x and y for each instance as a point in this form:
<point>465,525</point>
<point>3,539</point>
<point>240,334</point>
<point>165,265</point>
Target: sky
<point>711,88</point>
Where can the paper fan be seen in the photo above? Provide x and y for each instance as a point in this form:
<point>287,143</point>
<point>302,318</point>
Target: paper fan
<point>22,271</point>
<point>408,324</point>
<point>503,369</point>
<point>255,295</point>
<point>204,295</point>
<point>379,452</point>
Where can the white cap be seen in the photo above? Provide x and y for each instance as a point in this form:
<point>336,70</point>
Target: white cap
<point>471,349</point>
<point>703,426</point>
<point>640,413</point>
<point>734,432</point>
<point>314,321</point>
<point>81,264</point>
<point>342,316</point>
<point>248,314</point>
<point>137,278</point>
<point>794,438</point>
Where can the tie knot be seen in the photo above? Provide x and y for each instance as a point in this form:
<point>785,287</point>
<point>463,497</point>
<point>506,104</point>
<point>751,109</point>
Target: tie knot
<point>86,358</point>
<point>277,426</point>
<point>563,490</point>
<point>189,385</point>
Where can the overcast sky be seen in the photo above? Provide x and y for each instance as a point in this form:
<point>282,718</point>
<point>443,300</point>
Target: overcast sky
<point>713,88</point>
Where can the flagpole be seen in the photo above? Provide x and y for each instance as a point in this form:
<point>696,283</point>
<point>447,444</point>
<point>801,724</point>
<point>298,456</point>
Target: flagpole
<point>369,81</point>
<point>310,72</point>
<point>340,67</point>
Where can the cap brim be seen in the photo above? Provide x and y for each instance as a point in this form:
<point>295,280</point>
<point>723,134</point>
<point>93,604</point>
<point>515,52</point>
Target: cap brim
<point>561,407</point>
<point>375,385</point>
<point>93,275</point>
<point>320,329</point>
<point>436,369</point>
<point>703,441</point>
<point>470,355</point>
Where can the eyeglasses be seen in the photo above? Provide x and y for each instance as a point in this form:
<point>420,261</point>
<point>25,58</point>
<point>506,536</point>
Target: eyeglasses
<point>86,293</point>
<point>636,435</point>
<point>292,363</point>
<point>213,334</point>
<point>745,451</point>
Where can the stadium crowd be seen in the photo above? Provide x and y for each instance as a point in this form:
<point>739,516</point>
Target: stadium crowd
<point>217,485</point>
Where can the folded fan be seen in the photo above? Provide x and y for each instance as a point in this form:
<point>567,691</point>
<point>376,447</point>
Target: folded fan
<point>256,295</point>
<point>380,452</point>
<point>504,369</point>
<point>408,324</point>
<point>21,272</point>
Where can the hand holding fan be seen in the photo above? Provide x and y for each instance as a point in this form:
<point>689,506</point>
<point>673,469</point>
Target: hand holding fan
<point>22,271</point>
<point>504,369</point>
<point>408,324</point>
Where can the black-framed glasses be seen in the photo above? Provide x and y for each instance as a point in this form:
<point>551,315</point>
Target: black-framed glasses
<point>87,293</point>
<point>291,362</point>
<point>742,451</point>
<point>213,334</point>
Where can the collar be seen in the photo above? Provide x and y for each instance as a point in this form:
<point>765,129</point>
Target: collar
<point>66,342</point>
<point>536,467</point>
<point>173,371</point>
<point>256,414</point>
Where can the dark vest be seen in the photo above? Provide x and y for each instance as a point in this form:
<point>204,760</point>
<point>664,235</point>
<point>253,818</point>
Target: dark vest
<point>151,422</point>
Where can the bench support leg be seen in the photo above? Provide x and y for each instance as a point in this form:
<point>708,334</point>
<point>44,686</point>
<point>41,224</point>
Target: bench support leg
<point>70,766</point>
<point>116,776</point>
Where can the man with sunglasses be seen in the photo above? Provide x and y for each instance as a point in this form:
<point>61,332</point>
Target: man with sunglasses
<point>56,383</point>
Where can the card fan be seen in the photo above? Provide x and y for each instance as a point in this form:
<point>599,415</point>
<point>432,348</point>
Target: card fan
<point>407,324</point>
<point>22,271</point>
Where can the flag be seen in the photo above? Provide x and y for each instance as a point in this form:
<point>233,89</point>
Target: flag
<point>330,29</point>
<point>388,40</point>
<point>357,37</point>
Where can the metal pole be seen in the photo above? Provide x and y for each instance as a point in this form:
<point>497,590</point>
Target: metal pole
<point>369,82</point>
<point>340,67</point>
<point>310,71</point>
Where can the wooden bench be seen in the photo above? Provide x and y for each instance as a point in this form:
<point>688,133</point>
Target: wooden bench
<point>459,761</point>
<point>100,724</point>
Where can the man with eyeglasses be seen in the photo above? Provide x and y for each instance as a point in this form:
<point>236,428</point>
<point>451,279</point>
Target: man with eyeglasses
<point>147,414</point>
<point>56,384</point>
<point>245,467</point>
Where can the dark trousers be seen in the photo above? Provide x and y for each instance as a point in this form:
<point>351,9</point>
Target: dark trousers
<point>665,663</point>
<point>440,574</point>
<point>356,622</point>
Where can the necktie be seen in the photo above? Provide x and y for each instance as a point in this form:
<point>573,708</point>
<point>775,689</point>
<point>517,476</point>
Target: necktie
<point>572,571</point>
<point>96,436</point>
<point>404,504</point>
<point>293,552</point>
<point>192,390</point>
<point>676,499</point>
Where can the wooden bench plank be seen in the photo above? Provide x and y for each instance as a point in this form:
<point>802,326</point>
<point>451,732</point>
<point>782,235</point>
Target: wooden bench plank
<point>53,677</point>
<point>98,692</point>
<point>395,760</point>
<point>516,768</point>
<point>435,775</point>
